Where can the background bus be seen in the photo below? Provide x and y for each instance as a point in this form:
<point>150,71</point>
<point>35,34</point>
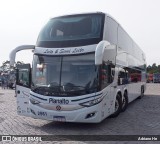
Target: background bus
<point>149,78</point>
<point>156,77</point>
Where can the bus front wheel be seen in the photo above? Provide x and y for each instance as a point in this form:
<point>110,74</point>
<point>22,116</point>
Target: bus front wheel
<point>118,106</point>
<point>124,102</point>
<point>142,92</point>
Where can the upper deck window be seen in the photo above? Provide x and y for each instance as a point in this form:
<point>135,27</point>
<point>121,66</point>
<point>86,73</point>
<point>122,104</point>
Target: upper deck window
<point>72,31</point>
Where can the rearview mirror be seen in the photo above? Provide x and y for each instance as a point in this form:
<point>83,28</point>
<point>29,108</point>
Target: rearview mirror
<point>105,50</point>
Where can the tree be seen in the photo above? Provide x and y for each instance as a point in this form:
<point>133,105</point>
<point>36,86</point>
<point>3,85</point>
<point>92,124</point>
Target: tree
<point>154,66</point>
<point>19,63</point>
<point>153,69</point>
<point>158,68</point>
<point>149,68</point>
<point>5,66</point>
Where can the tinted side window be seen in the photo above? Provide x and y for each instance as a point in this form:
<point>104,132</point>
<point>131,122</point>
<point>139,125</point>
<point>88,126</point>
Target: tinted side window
<point>135,75</point>
<point>107,75</point>
<point>23,77</point>
<point>123,77</point>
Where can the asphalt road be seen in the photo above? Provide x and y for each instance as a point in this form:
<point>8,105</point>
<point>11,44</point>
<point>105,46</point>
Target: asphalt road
<point>142,117</point>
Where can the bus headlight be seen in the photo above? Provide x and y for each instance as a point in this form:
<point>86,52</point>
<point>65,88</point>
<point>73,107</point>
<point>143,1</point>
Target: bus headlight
<point>92,102</point>
<point>33,101</point>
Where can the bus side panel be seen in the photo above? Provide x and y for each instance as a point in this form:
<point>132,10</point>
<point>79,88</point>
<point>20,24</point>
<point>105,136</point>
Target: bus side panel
<point>23,100</point>
<point>110,32</point>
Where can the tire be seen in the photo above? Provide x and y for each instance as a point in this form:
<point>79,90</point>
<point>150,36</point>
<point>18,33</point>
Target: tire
<point>118,106</point>
<point>124,102</point>
<point>142,93</point>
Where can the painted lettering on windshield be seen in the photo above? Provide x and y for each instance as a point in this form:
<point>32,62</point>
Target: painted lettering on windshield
<point>64,51</point>
<point>78,50</point>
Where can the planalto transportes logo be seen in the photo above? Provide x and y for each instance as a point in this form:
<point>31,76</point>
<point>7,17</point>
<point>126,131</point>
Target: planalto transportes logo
<point>58,101</point>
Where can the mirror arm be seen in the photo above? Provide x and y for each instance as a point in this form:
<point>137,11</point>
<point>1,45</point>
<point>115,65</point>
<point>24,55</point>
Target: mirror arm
<point>12,55</point>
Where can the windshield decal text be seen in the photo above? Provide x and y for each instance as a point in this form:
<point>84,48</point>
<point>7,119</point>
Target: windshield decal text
<point>64,51</point>
<point>78,50</point>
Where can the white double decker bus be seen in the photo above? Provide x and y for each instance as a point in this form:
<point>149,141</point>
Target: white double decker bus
<point>85,68</point>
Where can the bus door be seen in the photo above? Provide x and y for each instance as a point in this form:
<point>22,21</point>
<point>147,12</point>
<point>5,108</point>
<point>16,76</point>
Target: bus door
<point>23,81</point>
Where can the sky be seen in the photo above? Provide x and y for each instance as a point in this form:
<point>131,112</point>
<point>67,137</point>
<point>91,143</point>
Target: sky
<point>22,20</point>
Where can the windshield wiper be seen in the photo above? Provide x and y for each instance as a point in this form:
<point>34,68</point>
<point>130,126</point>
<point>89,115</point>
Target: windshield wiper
<point>71,86</point>
<point>40,89</point>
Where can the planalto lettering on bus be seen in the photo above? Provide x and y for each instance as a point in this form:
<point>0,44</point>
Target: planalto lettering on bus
<point>85,68</point>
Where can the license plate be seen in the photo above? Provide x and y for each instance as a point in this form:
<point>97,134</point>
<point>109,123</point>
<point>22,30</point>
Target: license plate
<point>59,118</point>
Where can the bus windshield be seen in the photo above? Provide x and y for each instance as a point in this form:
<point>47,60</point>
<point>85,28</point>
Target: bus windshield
<point>64,75</point>
<point>75,30</point>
